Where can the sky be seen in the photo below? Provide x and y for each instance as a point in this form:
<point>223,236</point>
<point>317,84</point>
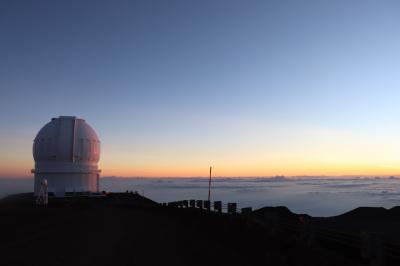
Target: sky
<point>254,88</point>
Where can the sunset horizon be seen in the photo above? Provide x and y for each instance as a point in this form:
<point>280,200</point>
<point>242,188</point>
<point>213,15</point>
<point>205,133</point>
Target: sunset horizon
<point>256,89</point>
<point>200,132</point>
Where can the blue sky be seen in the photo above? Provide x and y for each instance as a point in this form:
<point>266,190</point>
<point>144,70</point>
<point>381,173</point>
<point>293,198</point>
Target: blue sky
<point>172,83</point>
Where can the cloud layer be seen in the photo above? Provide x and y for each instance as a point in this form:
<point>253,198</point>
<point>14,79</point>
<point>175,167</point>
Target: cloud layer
<point>317,197</point>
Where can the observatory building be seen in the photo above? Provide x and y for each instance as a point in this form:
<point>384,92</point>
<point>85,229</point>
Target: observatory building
<point>66,152</point>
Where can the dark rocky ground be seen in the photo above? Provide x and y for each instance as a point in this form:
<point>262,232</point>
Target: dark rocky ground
<point>127,229</point>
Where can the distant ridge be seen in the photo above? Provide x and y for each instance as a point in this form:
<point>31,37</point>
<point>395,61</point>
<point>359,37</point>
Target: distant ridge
<point>371,213</point>
<point>282,211</point>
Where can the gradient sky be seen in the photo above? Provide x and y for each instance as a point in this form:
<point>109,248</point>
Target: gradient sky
<point>254,88</point>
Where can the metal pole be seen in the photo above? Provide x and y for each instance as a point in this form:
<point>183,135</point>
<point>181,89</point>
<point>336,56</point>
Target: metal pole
<point>209,185</point>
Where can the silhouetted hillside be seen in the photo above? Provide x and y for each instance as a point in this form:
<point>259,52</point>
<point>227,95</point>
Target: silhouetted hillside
<point>282,211</point>
<point>127,229</point>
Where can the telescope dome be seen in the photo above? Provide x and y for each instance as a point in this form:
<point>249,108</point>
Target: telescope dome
<point>66,152</point>
<point>66,139</point>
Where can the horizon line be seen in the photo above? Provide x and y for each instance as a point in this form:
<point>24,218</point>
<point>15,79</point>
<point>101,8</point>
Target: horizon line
<point>231,177</point>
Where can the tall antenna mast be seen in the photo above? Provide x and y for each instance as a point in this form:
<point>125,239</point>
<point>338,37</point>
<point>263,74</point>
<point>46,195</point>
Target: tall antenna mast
<point>209,185</point>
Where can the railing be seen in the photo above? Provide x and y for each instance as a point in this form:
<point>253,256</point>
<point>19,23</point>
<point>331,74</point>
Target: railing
<point>216,206</point>
<point>370,247</point>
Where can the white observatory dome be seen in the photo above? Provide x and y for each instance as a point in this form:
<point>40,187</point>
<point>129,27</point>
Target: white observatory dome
<point>66,152</point>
